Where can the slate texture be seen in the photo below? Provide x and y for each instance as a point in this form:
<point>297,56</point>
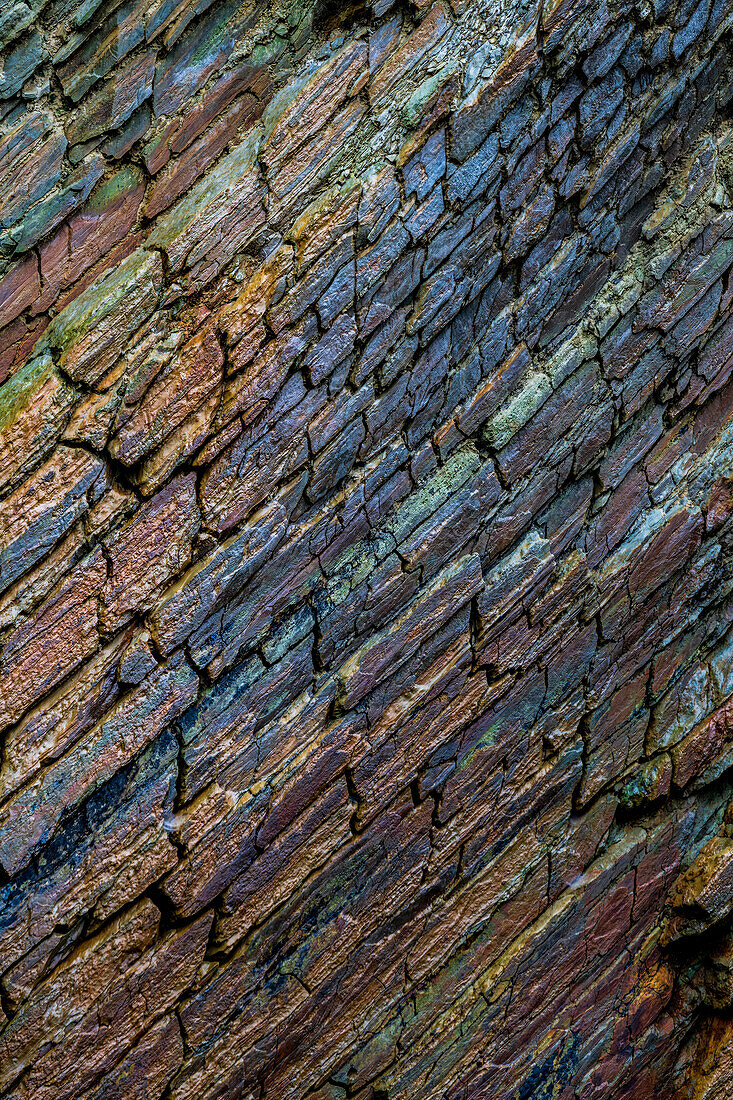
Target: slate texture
<point>366,549</point>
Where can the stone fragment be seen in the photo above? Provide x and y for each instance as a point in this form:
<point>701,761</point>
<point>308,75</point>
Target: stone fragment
<point>87,56</point>
<point>219,216</point>
<point>43,509</point>
<point>149,550</point>
<point>107,1001</point>
<point>451,589</point>
<point>150,1064</point>
<point>597,107</point>
<point>192,376</point>
<point>30,164</point>
<point>44,648</point>
<point>107,849</point>
<point>426,167</point>
<point>703,894</point>
<point>20,62</point>
<point>51,728</point>
<point>88,336</point>
<point>181,173</point>
<point>114,101</point>
<point>239,480</point>
<point>29,818</point>
<point>19,289</point>
<point>88,238</point>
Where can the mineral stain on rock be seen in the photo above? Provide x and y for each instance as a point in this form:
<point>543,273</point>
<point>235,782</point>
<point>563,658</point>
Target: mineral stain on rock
<point>366,549</point>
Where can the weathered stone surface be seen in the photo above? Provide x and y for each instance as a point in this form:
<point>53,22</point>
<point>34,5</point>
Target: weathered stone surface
<point>52,641</point>
<point>97,870</point>
<point>88,335</point>
<point>43,509</point>
<point>366,467</point>
<point>30,816</point>
<point>192,378</point>
<point>147,552</point>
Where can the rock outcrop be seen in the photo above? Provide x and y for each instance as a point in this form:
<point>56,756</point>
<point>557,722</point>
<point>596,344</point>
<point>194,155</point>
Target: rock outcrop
<point>366,551</point>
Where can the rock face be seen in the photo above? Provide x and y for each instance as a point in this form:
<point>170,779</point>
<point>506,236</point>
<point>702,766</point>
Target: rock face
<point>366,549</point>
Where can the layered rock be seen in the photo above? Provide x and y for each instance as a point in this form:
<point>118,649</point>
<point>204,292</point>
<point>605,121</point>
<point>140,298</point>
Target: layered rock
<point>366,460</point>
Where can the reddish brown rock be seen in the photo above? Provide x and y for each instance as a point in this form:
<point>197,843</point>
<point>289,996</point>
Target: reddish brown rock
<point>190,380</point>
<point>151,549</point>
<point>44,648</point>
<point>87,239</point>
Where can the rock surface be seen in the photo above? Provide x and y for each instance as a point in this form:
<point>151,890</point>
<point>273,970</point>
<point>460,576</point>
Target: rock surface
<point>366,549</point>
